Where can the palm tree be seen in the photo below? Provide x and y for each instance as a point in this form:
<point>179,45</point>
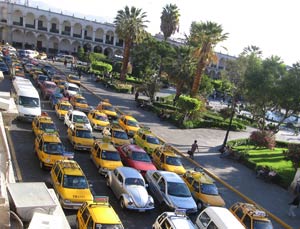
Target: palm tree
<point>130,26</point>
<point>169,20</point>
<point>204,36</point>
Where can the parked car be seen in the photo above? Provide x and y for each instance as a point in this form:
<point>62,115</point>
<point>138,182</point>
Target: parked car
<point>170,191</point>
<point>174,220</point>
<point>62,108</point>
<point>129,124</point>
<point>40,79</point>
<point>98,120</point>
<point>147,140</point>
<point>70,184</point>
<point>135,157</point>
<point>73,79</point>
<point>129,187</point>
<point>251,216</point>
<point>105,156</point>
<point>97,214</point>
<point>203,189</point>
<point>108,109</point>
<point>70,89</point>
<point>47,88</point>
<point>80,103</point>
<point>165,159</point>
<point>118,136</point>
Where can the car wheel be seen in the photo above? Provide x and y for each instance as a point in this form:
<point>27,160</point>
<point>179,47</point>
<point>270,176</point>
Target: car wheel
<point>199,205</point>
<point>122,203</point>
<point>42,166</point>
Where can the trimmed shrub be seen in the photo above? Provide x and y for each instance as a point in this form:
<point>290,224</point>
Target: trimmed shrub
<point>293,154</point>
<point>101,66</point>
<point>263,139</point>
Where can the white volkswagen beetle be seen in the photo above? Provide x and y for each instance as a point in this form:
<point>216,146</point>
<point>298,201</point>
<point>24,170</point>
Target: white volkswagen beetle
<point>129,187</point>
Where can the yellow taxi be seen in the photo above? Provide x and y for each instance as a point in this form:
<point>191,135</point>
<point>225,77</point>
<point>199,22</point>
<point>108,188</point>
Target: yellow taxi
<point>251,216</point>
<point>108,109</point>
<point>165,159</point>
<point>57,78</point>
<point>43,124</point>
<point>70,184</point>
<point>79,103</point>
<point>129,124</point>
<point>203,189</point>
<point>105,156</point>
<point>80,136</point>
<point>118,135</point>
<point>49,149</point>
<point>97,214</point>
<point>61,84</point>
<point>35,72</point>
<point>73,79</point>
<point>62,108</point>
<point>147,140</point>
<point>98,119</point>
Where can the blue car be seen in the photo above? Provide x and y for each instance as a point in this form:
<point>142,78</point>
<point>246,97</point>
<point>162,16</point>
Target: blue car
<point>55,97</point>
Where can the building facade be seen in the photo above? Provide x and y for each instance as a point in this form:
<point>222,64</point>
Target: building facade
<point>27,27</point>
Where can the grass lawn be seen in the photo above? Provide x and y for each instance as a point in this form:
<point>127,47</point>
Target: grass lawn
<point>272,158</point>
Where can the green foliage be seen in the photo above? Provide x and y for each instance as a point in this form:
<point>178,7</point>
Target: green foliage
<point>226,112</point>
<point>81,54</point>
<point>263,139</point>
<point>97,57</point>
<point>188,104</point>
<point>293,154</point>
<point>101,67</point>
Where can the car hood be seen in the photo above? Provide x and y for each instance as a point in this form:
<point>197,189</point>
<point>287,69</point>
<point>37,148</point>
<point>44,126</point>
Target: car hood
<point>183,202</point>
<point>139,194</point>
<point>143,166</point>
<point>213,200</point>
<point>30,110</point>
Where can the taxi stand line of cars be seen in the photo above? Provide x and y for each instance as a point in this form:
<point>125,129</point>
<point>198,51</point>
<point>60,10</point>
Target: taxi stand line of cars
<point>125,182</point>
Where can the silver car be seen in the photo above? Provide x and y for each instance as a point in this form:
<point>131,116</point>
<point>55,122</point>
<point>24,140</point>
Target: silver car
<point>129,187</point>
<point>170,191</point>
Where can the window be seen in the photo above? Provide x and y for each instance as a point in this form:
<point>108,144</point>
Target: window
<point>166,224</point>
<point>162,158</point>
<point>212,225</point>
<point>120,178</point>
<point>204,219</point>
<point>85,215</point>
<point>162,185</point>
<point>56,170</point>
<point>116,172</point>
<point>41,145</point>
<point>98,153</point>
<point>156,176</point>
<point>190,179</point>
<point>247,221</point>
<point>90,223</point>
<point>239,213</point>
<point>59,177</point>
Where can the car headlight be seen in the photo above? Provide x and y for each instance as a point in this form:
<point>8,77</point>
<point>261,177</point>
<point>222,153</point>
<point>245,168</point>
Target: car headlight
<point>67,201</point>
<point>130,200</point>
<point>150,201</point>
<point>48,160</point>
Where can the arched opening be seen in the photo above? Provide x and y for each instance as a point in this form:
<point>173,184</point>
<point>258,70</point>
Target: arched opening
<point>99,35</point>
<point>53,45</point>
<point>29,21</point>
<point>17,38</point>
<point>42,23</point>
<point>75,46</point>
<point>108,52</point>
<point>65,46</point>
<point>54,25</point>
<point>109,38</point>
<point>3,14</point>
<point>30,40</point>
<point>66,28</point>
<point>17,18</point>
<point>98,49</point>
<point>41,43</point>
<point>77,30</point>
<point>87,47</point>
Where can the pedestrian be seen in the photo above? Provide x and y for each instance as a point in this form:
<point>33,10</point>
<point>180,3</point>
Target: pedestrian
<point>65,62</point>
<point>72,66</point>
<point>136,97</point>
<point>193,149</point>
<point>79,73</point>
<point>293,205</point>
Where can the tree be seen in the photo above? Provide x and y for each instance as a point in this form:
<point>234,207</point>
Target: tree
<point>204,36</point>
<point>130,26</point>
<point>81,54</point>
<point>169,20</point>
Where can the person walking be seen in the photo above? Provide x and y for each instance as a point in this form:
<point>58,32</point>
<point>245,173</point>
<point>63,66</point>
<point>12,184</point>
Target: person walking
<point>193,149</point>
<point>65,62</point>
<point>136,96</point>
<point>293,205</point>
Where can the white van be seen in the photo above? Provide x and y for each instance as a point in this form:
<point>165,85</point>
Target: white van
<point>30,53</point>
<point>217,218</point>
<point>27,99</point>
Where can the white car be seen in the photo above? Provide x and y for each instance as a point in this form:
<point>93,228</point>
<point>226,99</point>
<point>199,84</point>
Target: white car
<point>129,187</point>
<point>71,89</point>
<point>176,220</point>
<point>74,116</point>
<point>170,191</point>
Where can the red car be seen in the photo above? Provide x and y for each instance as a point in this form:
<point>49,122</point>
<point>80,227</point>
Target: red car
<point>47,88</point>
<point>136,157</point>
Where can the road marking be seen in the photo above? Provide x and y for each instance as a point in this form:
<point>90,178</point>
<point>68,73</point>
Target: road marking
<point>13,156</point>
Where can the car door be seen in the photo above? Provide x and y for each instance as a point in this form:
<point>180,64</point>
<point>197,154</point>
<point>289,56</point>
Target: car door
<point>161,186</point>
<point>156,158</point>
<point>124,154</point>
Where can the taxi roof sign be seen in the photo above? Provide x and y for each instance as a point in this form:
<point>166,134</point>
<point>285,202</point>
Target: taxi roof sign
<point>101,199</point>
<point>180,212</point>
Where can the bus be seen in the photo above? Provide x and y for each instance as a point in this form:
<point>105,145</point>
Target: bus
<point>27,99</point>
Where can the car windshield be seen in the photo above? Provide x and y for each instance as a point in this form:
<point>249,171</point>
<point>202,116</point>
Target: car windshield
<point>84,134</point>
<point>120,135</point>
<point>101,118</point>
<point>259,224</point>
<point>108,226</point>
<point>50,86</point>
<point>80,119</point>
<point>173,161</point>
<point>178,189</point>
<point>110,155</point>
<point>42,78</point>
<point>134,181</point>
<point>132,123</point>
<point>48,127</point>
<point>73,89</point>
<point>209,189</point>
<point>65,107</point>
<point>140,156</point>
<point>76,182</point>
<point>54,148</point>
<point>29,101</point>
<point>153,140</point>
<point>81,100</point>
<point>58,95</point>
<point>108,108</point>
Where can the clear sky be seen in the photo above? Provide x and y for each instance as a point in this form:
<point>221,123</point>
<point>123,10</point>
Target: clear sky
<point>273,26</point>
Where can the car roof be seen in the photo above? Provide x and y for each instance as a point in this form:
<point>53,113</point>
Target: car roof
<point>70,167</point>
<point>252,210</point>
<point>129,172</point>
<point>200,176</point>
<point>49,82</point>
<point>79,126</point>
<point>106,146</point>
<point>71,84</point>
<point>65,102</point>
<point>98,211</point>
<point>170,176</point>
<point>135,148</point>
<point>179,221</point>
<point>76,112</point>
<point>51,138</point>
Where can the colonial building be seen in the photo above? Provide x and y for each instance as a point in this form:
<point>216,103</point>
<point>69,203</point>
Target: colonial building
<point>33,28</point>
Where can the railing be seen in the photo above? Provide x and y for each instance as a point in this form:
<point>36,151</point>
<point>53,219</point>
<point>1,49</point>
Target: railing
<point>99,40</point>
<point>42,28</point>
<point>17,23</point>
<point>87,38</point>
<point>29,26</point>
<point>76,35</point>
<point>54,30</point>
<point>65,33</point>
<point>4,20</point>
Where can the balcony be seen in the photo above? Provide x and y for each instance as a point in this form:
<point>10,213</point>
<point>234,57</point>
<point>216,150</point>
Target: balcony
<point>66,33</point>
<point>4,20</point>
<point>29,26</point>
<point>87,38</point>
<point>42,28</point>
<point>54,31</point>
<point>77,35</point>
<point>99,40</point>
<point>17,23</point>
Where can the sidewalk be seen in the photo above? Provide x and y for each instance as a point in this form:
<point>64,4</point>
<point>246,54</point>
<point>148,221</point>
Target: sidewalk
<point>270,196</point>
